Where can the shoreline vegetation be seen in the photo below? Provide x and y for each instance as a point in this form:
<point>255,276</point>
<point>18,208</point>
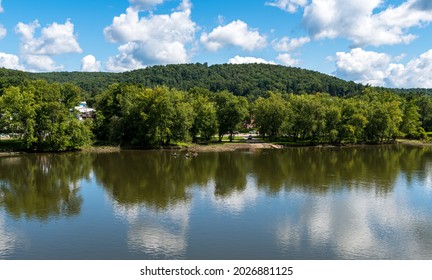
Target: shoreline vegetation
<point>43,116</point>
<point>225,146</point>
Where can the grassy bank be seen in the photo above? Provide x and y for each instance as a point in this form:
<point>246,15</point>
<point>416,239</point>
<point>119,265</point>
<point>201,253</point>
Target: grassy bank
<point>8,146</point>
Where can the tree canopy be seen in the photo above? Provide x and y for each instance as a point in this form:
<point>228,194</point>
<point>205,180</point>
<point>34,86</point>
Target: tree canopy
<point>161,105</point>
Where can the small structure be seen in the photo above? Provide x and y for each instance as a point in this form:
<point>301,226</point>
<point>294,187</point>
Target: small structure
<point>84,112</point>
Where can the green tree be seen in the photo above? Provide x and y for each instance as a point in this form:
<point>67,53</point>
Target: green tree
<point>135,116</point>
<point>411,123</point>
<point>205,118</point>
<point>308,116</point>
<point>269,115</point>
<point>37,114</point>
<point>231,111</point>
<point>18,114</point>
<point>385,115</point>
<point>424,104</point>
<point>353,120</point>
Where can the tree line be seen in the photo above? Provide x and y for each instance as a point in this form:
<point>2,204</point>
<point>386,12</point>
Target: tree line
<point>249,80</point>
<point>41,115</point>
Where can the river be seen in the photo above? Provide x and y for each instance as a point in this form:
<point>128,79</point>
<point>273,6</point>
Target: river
<point>372,202</point>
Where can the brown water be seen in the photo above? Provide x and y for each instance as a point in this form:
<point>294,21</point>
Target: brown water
<point>300,203</point>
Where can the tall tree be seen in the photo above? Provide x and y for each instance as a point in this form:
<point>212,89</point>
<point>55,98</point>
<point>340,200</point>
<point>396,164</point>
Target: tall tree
<point>231,111</point>
<point>269,114</point>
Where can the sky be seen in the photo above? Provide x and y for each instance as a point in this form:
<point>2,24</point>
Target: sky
<point>377,42</point>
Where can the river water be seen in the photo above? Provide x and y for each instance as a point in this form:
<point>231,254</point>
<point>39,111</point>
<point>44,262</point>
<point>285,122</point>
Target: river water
<point>371,202</point>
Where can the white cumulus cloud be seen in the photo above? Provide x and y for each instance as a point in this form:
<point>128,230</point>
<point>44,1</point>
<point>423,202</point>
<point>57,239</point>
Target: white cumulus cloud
<point>366,22</point>
<point>381,69</point>
<point>363,66</point>
<point>287,59</point>
<point>125,60</point>
<point>39,63</point>
<point>290,6</point>
<point>90,64</point>
<point>287,45</point>
<point>54,39</point>
<point>37,50</point>
<point>236,33</point>
<point>153,39</point>
<point>10,61</point>
<point>248,60</point>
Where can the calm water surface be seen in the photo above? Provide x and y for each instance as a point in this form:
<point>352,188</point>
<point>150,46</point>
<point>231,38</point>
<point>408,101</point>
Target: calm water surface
<point>299,203</point>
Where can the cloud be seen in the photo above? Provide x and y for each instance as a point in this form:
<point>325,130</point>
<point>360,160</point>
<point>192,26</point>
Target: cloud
<point>287,59</point>
<point>90,64</point>
<point>10,61</point>
<point>8,241</point>
<point>154,39</point>
<point>363,66</point>
<point>236,201</point>
<point>356,227</point>
<point>290,6</point>
<point>380,69</point>
<point>236,33</point>
<point>287,45</point>
<point>156,233</point>
<point>247,60</point>
<point>54,39</point>
<point>366,22</point>
<point>39,63</point>
<point>3,32</point>
<point>125,60</point>
<point>416,73</point>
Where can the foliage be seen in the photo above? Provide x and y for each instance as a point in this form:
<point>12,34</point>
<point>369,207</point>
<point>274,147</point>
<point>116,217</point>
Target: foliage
<point>37,114</point>
<point>159,105</point>
<point>134,116</point>
<point>251,80</point>
<point>205,123</point>
<point>270,114</point>
<point>231,110</point>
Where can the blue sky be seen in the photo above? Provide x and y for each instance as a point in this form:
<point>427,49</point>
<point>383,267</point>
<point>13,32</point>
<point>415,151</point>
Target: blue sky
<point>380,42</point>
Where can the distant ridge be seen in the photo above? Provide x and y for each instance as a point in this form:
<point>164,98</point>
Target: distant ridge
<point>251,80</point>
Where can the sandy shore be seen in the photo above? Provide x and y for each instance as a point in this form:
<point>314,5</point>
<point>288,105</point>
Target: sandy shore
<point>418,143</point>
<point>232,147</point>
<point>218,147</point>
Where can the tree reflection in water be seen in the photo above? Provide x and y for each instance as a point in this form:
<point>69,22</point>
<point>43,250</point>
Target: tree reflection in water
<point>44,185</point>
<point>346,202</point>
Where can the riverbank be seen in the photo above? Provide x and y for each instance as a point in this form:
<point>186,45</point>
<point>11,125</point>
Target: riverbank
<point>227,146</point>
<point>418,143</point>
<point>255,144</point>
<point>222,147</point>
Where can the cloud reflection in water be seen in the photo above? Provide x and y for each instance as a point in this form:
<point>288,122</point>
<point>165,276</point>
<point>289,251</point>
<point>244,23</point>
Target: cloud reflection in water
<point>7,240</point>
<point>158,234</point>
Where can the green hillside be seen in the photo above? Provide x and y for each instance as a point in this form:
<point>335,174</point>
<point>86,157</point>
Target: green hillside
<point>251,80</point>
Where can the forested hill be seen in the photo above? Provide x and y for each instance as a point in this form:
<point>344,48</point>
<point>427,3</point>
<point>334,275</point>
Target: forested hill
<point>245,79</point>
<point>242,79</point>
